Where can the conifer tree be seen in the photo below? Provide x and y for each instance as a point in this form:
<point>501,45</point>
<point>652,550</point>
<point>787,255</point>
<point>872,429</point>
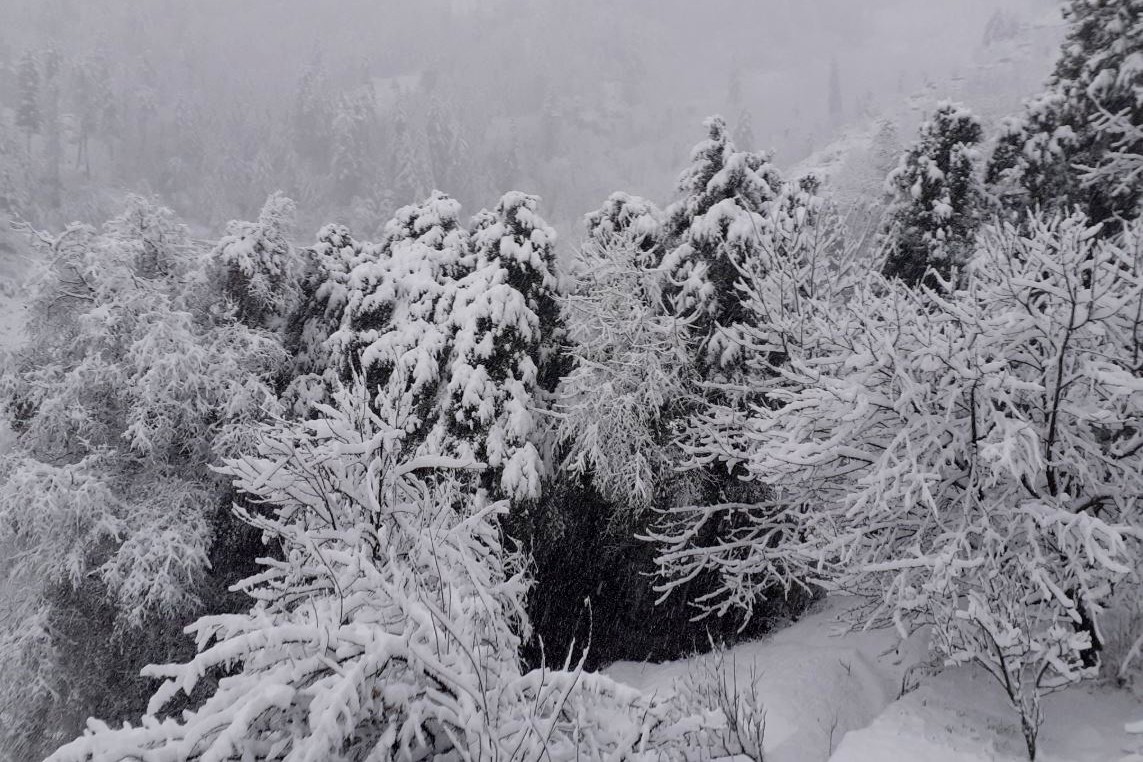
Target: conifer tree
<point>352,145</point>
<point>655,331</point>
<point>744,130</point>
<point>28,115</point>
<point>257,266</point>
<point>412,174</point>
<point>505,356</point>
<point>395,331</point>
<point>312,114</point>
<point>50,112</point>
<point>85,107</point>
<point>1068,147</point>
<point>447,148</point>
<point>323,292</point>
<point>712,230</point>
<point>624,216</point>
<point>938,200</point>
<point>836,109</point>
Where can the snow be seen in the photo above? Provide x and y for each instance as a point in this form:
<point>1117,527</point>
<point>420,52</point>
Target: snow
<point>830,693</point>
<point>815,682</point>
<point>961,715</point>
<point>14,267</point>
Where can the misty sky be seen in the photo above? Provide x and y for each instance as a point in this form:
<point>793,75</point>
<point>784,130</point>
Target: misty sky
<point>591,96</point>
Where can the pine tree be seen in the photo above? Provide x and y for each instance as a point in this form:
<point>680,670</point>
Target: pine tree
<point>938,200</point>
<point>256,265</point>
<point>50,111</point>
<point>412,173</point>
<point>85,107</point>
<point>14,173</point>
<point>836,109</point>
<point>655,331</point>
<point>1002,25</point>
<point>447,148</point>
<point>1030,167</point>
<point>744,130</point>
<point>28,115</point>
<point>1068,148</point>
<point>712,230</point>
<point>624,217</point>
<point>352,145</point>
<point>734,87</point>
<point>395,331</point>
<point>323,292</point>
<point>551,124</point>
<point>312,114</point>
<point>506,348</point>
<point>521,241</point>
<point>108,112</point>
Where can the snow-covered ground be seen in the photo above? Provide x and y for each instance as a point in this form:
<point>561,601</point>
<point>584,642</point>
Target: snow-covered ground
<point>831,694</point>
<point>815,682</point>
<point>961,715</point>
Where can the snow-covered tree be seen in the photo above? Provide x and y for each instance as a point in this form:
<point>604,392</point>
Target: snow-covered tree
<point>352,143</point>
<point>312,114</point>
<point>129,385</point>
<point>744,130</point>
<point>323,285</point>
<point>1002,26</point>
<point>524,245</point>
<point>623,214</point>
<point>412,173</point>
<point>448,151</point>
<point>714,226</point>
<point>632,371</point>
<point>84,94</point>
<point>395,330</point>
<point>505,323</point>
<point>388,629</point>
<point>257,266</point>
<point>389,626</point>
<point>1061,152</point>
<point>453,336</point>
<point>884,151</point>
<point>655,328</point>
<point>938,199</point>
<point>968,459</point>
<point>28,115</point>
<point>741,537</point>
<point>15,172</point>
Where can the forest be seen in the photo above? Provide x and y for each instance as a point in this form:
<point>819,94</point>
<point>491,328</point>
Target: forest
<point>418,485</point>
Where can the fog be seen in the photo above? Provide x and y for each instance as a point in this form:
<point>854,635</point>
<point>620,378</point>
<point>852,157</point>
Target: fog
<point>356,107</point>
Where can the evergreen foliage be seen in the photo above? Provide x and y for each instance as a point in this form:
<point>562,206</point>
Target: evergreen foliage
<point>1067,149</point>
<point>938,199</point>
<point>257,266</point>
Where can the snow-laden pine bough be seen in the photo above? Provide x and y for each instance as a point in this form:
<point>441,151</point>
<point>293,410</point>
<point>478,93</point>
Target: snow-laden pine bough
<point>386,625</point>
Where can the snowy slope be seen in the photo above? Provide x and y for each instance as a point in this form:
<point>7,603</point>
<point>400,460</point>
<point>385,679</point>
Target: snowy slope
<point>828,691</point>
<point>961,715</point>
<point>816,681</point>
